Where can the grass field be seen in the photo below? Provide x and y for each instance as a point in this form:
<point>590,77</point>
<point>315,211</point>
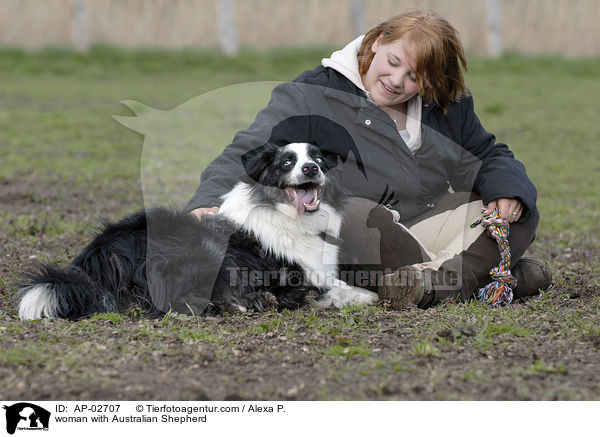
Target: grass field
<point>65,163</point>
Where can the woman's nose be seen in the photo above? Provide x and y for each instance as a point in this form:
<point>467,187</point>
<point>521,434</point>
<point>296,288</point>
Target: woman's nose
<point>397,81</point>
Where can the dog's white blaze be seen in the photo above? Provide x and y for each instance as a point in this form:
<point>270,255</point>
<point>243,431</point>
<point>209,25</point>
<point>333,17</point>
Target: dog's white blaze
<point>300,149</point>
<point>38,302</point>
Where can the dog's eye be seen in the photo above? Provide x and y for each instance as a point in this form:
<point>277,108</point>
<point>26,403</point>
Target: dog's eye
<point>287,163</point>
<point>319,161</point>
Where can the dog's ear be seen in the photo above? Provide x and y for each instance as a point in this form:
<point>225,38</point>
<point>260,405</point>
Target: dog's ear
<point>256,161</point>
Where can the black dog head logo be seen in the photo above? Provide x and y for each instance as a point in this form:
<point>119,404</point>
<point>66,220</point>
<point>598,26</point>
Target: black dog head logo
<point>25,415</point>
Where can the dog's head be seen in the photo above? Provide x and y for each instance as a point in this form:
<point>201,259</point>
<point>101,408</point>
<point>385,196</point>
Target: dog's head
<point>296,174</point>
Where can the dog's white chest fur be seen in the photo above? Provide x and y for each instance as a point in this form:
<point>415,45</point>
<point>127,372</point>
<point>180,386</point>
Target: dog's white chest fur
<point>285,233</point>
<point>297,238</point>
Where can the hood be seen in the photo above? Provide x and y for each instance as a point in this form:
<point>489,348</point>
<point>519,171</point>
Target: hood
<point>345,61</point>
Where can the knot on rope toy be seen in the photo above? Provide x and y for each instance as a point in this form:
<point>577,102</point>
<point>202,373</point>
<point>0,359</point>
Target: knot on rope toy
<point>499,291</point>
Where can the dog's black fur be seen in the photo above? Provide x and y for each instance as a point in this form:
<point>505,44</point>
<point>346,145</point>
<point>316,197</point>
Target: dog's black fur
<point>114,271</point>
<point>161,260</point>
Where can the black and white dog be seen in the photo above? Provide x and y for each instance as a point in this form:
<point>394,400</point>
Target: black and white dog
<point>274,243</point>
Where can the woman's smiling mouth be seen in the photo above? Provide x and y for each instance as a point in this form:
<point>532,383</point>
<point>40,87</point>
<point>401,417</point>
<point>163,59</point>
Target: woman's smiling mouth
<point>389,90</point>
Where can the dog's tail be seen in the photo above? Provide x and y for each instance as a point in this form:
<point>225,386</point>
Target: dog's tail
<point>68,293</point>
<point>107,276</point>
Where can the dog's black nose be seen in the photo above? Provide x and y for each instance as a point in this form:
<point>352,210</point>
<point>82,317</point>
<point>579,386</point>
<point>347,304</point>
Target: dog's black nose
<point>310,169</point>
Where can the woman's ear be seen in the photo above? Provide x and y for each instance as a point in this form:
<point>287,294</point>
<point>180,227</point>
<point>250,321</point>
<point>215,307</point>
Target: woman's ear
<point>376,43</point>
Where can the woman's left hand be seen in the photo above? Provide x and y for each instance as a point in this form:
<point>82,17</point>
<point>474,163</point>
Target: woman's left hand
<point>510,209</point>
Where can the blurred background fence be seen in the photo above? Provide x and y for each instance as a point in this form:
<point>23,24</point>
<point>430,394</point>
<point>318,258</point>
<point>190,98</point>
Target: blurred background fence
<point>487,27</point>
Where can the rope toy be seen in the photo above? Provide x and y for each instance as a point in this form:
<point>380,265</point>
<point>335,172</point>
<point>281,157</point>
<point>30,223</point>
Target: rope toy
<point>499,291</point>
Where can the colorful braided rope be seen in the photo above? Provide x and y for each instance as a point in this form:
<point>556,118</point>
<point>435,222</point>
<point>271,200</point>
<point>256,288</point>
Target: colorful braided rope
<point>499,291</point>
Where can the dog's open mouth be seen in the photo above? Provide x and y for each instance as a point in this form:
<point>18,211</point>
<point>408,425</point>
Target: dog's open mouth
<point>305,197</point>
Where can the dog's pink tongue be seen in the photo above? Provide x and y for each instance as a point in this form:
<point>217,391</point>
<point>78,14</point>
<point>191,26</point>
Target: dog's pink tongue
<point>302,197</point>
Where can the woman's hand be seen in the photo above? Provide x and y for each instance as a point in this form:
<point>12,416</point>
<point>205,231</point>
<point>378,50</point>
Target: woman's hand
<point>199,212</point>
<point>510,209</point>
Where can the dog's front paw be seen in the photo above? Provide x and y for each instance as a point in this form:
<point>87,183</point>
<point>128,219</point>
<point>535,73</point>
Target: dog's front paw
<point>364,297</point>
<point>346,295</point>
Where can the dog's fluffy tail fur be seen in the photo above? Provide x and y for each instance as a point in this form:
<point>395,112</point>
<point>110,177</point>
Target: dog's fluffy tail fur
<point>103,278</point>
<point>63,293</point>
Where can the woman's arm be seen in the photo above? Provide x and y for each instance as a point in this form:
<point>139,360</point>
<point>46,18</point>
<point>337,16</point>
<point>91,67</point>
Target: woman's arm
<point>502,180</point>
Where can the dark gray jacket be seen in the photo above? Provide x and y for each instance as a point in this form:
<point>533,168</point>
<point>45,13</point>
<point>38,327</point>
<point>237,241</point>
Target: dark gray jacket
<point>323,107</point>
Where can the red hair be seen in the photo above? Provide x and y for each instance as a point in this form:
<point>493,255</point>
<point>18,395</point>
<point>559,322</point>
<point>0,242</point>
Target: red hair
<point>439,53</point>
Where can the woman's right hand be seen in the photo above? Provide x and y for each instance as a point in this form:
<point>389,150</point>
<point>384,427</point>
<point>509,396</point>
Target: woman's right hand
<point>199,212</point>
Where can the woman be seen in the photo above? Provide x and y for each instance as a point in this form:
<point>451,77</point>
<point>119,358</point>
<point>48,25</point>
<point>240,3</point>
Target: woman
<point>393,105</point>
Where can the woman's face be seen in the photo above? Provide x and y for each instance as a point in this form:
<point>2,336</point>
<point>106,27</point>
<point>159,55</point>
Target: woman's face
<point>391,77</point>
